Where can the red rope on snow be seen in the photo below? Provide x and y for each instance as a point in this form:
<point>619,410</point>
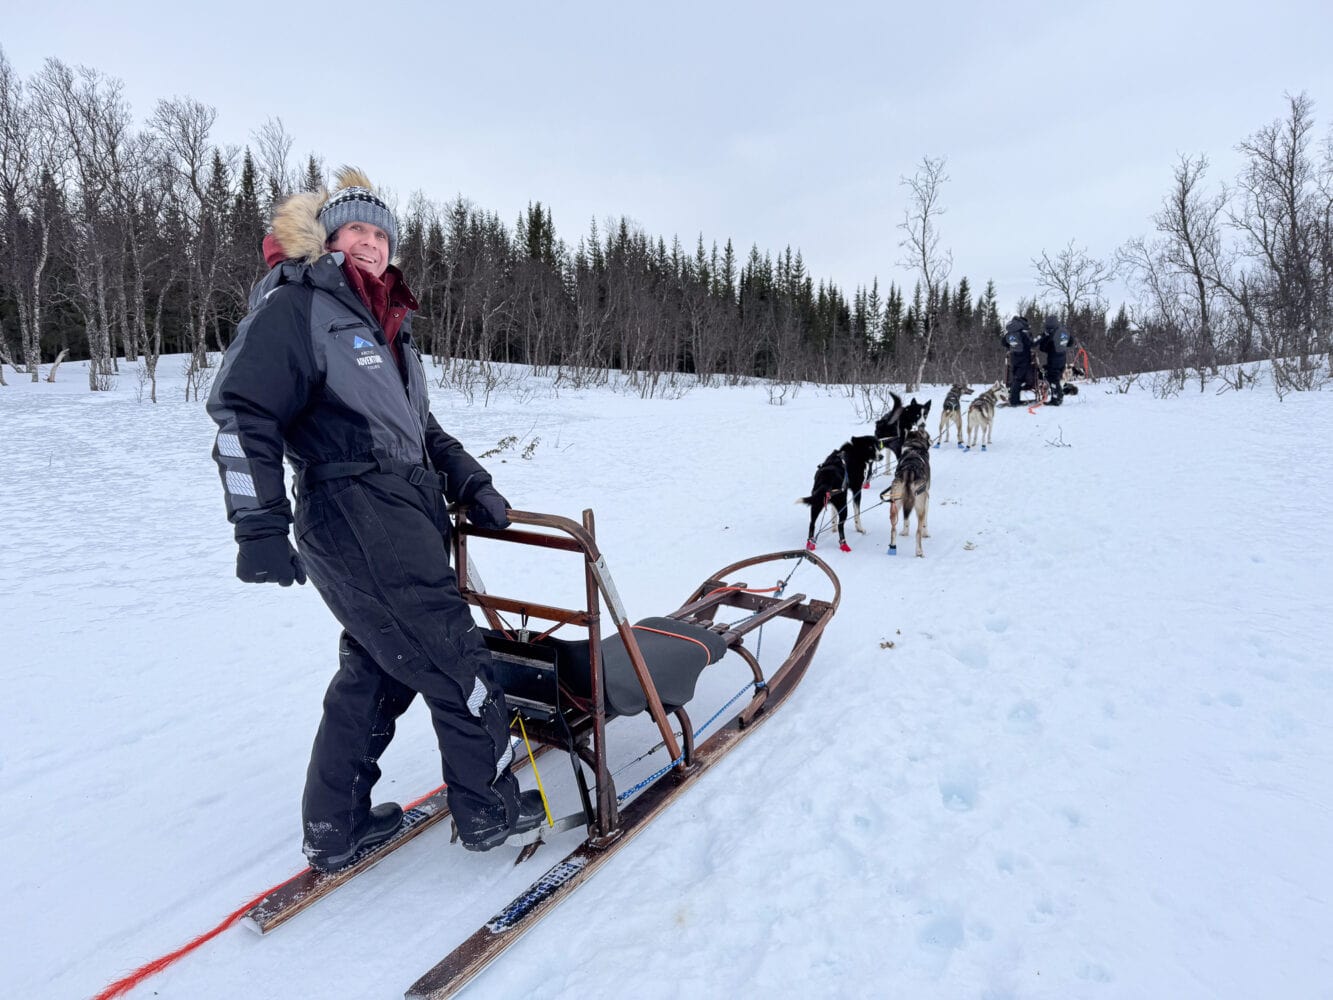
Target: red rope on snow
<point>122,986</point>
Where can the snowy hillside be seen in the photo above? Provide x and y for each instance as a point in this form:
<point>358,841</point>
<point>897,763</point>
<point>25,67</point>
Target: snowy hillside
<point>1082,749</point>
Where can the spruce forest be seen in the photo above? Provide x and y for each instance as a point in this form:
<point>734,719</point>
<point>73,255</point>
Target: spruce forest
<point>124,241</point>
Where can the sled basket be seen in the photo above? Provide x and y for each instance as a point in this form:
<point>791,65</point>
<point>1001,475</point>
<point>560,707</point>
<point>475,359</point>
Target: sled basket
<point>565,689</point>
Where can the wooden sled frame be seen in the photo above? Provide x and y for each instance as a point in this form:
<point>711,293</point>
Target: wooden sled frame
<point>581,729</point>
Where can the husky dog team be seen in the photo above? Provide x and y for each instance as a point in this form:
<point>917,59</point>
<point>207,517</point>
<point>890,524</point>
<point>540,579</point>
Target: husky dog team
<point>902,433</point>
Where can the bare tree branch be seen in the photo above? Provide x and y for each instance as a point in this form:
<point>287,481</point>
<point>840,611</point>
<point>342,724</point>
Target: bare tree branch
<point>1075,277</point>
<point>921,244</point>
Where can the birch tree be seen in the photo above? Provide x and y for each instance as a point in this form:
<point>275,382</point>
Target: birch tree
<point>1282,217</point>
<point>274,146</point>
<point>921,244</point>
<point>86,118</point>
<point>1074,277</point>
<point>26,233</point>
<point>182,126</point>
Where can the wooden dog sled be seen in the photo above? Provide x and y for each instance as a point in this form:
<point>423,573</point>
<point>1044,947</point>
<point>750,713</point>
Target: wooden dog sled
<point>564,691</point>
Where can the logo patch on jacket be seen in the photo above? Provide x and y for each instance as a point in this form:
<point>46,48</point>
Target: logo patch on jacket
<point>367,352</point>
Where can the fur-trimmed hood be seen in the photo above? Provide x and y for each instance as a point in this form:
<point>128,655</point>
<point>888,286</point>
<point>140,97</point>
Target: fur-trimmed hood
<point>297,243</point>
<point>296,227</point>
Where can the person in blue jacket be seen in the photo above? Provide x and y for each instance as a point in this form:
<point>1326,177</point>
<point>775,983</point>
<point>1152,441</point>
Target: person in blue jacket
<point>1055,342</point>
<point>1017,338</point>
<point>323,372</point>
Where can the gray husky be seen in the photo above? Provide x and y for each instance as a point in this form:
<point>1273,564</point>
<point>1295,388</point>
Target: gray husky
<point>953,414</point>
<point>910,492</point>
<point>981,416</point>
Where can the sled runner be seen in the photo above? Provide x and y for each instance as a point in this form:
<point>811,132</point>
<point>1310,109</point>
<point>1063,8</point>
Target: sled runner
<point>308,887</point>
<point>565,690</point>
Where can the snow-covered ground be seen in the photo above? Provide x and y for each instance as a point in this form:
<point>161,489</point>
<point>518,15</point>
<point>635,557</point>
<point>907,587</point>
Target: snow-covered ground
<point>1082,749</point>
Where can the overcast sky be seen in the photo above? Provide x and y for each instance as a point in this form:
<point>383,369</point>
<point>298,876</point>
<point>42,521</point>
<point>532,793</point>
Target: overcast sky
<point>771,123</point>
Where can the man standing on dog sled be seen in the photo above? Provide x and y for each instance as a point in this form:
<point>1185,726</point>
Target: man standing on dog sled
<point>1055,341</point>
<point>323,371</point>
<point>1017,337</point>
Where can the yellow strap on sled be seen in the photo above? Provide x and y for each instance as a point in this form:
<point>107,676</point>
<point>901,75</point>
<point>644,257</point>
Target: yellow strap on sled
<point>533,761</point>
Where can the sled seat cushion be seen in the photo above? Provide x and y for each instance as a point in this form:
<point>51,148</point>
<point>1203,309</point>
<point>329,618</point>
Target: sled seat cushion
<point>676,653</point>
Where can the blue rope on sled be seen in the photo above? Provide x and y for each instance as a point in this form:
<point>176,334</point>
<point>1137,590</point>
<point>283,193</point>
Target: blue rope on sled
<point>657,774</point>
<point>756,685</point>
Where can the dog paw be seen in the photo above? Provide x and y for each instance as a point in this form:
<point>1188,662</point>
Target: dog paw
<point>845,547</point>
<point>810,545</point>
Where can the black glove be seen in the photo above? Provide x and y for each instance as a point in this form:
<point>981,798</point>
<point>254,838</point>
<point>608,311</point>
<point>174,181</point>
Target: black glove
<point>270,559</point>
<point>487,509</point>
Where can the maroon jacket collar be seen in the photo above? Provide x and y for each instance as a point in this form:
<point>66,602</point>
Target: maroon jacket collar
<point>388,298</point>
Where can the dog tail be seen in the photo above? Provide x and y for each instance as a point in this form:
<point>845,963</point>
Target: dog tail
<point>909,492</point>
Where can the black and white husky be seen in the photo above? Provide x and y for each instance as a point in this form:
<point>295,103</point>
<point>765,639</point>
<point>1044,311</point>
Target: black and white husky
<point>859,456</point>
<point>845,472</point>
<point>901,419</point>
<point>829,490</point>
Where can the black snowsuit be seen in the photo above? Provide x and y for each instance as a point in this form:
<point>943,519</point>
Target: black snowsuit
<point>311,376</point>
<point>1054,343</point>
<point>1017,337</point>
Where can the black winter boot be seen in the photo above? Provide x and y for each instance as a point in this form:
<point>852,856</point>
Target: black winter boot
<point>531,813</point>
<point>382,823</point>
